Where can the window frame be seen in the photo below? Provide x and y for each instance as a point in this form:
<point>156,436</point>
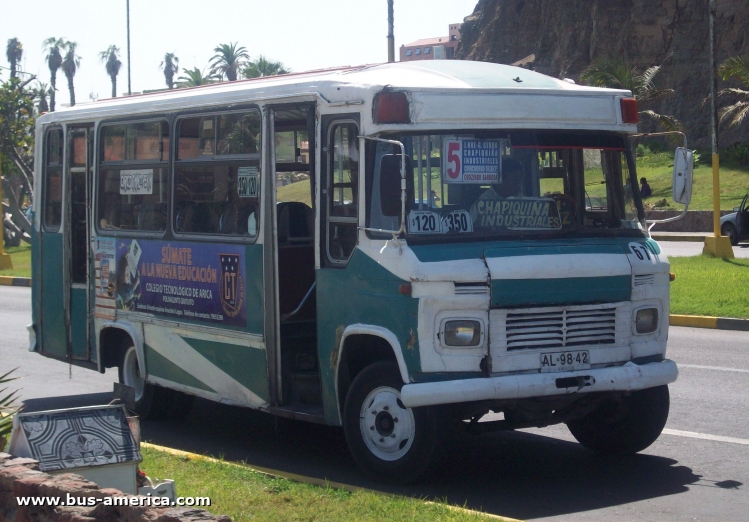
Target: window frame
<point>216,160</point>
<point>101,166</point>
<point>45,185</point>
<point>329,218</point>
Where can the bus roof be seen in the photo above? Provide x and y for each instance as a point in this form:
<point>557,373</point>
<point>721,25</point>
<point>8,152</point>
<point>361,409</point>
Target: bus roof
<point>426,75</point>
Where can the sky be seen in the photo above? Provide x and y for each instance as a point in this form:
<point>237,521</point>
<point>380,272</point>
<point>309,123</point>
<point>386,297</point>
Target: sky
<point>303,34</point>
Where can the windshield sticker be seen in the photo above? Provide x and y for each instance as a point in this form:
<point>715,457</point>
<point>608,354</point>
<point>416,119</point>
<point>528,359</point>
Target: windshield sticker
<point>424,222</point>
<point>457,221</point>
<point>247,182</point>
<point>472,161</point>
<point>517,214</point>
<point>136,182</point>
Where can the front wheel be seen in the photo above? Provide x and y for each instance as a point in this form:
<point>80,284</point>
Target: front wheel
<point>391,443</point>
<point>730,231</point>
<point>624,426</point>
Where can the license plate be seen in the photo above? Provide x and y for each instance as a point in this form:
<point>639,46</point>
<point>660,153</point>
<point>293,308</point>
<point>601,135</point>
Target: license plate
<point>565,361</point>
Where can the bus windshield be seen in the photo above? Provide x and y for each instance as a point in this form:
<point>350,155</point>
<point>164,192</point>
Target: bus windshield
<point>510,184</point>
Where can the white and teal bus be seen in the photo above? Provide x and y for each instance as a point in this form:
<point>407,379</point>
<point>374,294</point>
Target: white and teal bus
<point>395,249</point>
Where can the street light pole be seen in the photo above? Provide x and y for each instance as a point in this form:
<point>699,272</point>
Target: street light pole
<point>391,38</point>
<point>5,260</point>
<point>129,90</point>
<point>719,246</point>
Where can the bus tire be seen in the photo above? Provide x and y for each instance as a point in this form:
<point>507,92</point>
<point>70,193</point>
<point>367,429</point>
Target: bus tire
<point>152,402</point>
<point>390,442</point>
<point>625,426</point>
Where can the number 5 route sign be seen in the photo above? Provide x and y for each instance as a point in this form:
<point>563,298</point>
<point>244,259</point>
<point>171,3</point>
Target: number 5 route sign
<point>471,161</point>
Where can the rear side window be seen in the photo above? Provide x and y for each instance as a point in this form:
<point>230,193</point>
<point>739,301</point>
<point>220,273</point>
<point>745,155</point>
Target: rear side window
<point>133,188</point>
<point>217,175</point>
<point>53,151</point>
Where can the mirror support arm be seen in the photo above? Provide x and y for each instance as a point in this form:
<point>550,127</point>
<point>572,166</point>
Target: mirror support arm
<point>653,222</point>
<point>396,233</point>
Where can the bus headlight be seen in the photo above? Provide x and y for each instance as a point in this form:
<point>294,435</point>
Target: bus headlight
<point>646,320</point>
<point>462,332</point>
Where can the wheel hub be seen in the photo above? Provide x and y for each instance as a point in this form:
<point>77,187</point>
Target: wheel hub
<point>388,427</point>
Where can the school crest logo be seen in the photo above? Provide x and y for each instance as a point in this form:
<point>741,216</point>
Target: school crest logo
<point>231,286</point>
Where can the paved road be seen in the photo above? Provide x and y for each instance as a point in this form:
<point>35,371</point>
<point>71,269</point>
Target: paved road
<point>692,472</point>
<point>693,248</point>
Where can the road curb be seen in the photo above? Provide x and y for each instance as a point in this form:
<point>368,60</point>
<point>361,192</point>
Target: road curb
<point>716,323</point>
<point>15,281</point>
<point>696,238</point>
<point>310,480</point>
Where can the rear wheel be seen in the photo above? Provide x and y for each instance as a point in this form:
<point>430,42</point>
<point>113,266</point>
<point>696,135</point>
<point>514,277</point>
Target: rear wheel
<point>729,230</point>
<point>151,402</point>
<point>624,426</point>
<point>392,443</point>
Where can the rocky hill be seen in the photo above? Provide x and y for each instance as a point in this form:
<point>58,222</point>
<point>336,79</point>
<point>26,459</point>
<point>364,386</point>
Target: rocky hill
<point>561,37</point>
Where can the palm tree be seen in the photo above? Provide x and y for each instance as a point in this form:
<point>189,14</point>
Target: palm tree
<point>194,77</point>
<point>170,67</point>
<point>263,67</point>
<point>110,58</point>
<point>14,52</point>
<point>54,61</point>
<point>735,67</point>
<point>616,73</point>
<point>70,64</point>
<point>228,60</point>
<point>42,90</point>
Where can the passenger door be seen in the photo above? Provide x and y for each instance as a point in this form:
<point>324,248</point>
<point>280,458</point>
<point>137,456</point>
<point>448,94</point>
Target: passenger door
<point>742,219</point>
<point>52,296</point>
<point>80,174</point>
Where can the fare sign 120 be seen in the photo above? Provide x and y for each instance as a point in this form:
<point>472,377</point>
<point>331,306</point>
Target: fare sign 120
<point>471,161</point>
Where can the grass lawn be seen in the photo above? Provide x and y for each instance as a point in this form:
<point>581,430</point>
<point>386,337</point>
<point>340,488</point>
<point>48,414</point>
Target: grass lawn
<point>244,494</point>
<point>298,191</point>
<point>658,169</point>
<point>21,256</point>
<point>710,286</point>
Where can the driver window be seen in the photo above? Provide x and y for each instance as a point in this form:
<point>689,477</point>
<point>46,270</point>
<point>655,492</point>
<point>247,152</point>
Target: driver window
<point>343,191</point>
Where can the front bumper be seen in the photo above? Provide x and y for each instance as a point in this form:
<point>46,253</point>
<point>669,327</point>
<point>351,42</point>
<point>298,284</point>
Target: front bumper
<point>629,377</point>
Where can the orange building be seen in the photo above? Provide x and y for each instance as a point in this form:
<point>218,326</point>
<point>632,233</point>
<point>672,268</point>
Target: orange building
<point>439,48</point>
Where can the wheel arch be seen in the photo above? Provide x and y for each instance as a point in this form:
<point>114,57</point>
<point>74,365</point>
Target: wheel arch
<point>111,339</point>
<point>376,344</point>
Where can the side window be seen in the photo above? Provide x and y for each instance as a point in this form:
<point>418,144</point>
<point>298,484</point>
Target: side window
<point>133,188</point>
<point>343,193</point>
<point>217,175</point>
<point>52,211</point>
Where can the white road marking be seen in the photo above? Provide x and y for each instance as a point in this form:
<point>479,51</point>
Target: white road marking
<point>705,436</point>
<point>719,368</point>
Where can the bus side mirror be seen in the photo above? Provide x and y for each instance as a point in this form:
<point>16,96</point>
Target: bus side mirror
<point>682,183</point>
<point>390,184</point>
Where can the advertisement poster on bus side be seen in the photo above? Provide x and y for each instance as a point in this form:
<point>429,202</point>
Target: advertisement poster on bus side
<point>182,281</point>
<point>105,270</point>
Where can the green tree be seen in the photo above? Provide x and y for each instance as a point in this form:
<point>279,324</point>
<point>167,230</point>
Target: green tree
<point>42,91</point>
<point>616,73</point>
<point>194,77</point>
<point>228,60</point>
<point>54,47</point>
<point>70,64</point>
<point>263,67</point>
<point>17,119</point>
<point>14,52</point>
<point>111,59</point>
<point>7,408</point>
<point>736,67</point>
<point>170,67</point>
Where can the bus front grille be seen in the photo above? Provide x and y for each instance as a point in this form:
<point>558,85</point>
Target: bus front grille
<point>560,328</point>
